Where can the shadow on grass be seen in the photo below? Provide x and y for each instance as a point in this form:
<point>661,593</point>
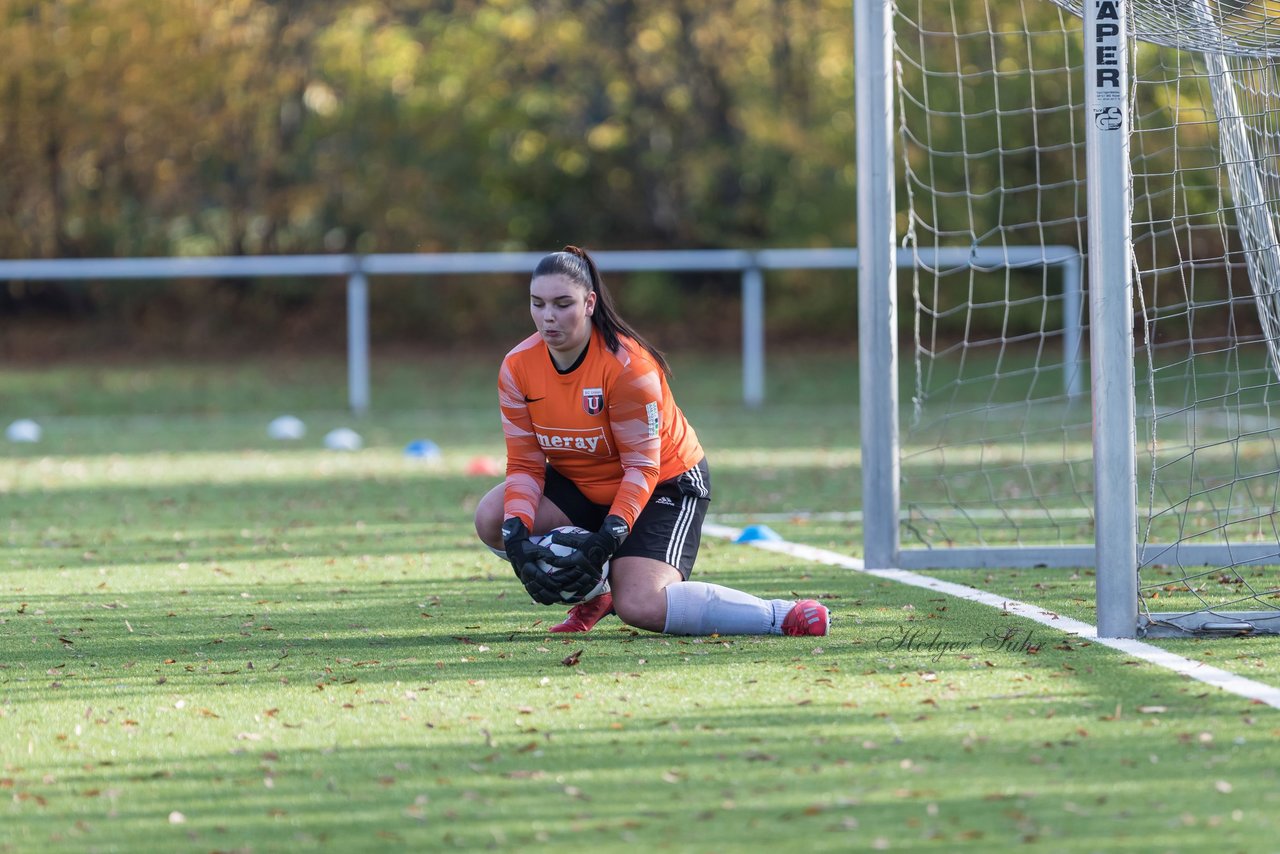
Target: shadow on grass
<point>428,712</point>
<point>235,636</point>
<point>728,779</point>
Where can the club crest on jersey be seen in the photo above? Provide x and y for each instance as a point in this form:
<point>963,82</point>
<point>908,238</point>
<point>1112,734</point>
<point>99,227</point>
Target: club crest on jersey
<point>593,400</point>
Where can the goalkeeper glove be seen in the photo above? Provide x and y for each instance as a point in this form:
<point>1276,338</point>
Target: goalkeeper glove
<point>524,555</point>
<point>592,551</point>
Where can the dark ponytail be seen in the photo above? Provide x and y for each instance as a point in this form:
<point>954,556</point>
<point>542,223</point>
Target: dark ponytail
<point>574,263</point>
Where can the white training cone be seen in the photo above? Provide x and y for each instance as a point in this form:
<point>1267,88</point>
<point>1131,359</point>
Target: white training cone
<point>23,430</point>
<point>343,439</point>
<point>286,427</point>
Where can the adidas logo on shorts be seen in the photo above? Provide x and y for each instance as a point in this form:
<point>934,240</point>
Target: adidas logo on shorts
<point>662,499</point>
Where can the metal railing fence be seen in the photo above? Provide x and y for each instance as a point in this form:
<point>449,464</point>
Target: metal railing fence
<point>750,264</point>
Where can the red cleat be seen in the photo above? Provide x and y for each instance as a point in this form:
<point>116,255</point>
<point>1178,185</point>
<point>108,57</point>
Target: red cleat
<point>586,614</point>
<point>806,617</point>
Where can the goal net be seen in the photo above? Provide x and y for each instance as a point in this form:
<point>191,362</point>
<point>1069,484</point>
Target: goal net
<point>995,454</point>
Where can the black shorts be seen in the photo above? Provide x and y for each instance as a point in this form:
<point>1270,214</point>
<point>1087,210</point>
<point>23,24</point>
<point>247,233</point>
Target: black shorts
<point>669,527</point>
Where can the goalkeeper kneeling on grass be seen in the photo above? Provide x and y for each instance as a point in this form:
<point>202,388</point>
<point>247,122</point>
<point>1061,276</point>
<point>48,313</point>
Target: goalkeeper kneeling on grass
<point>595,440</point>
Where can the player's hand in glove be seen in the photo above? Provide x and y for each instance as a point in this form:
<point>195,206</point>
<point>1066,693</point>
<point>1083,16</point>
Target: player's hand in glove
<point>591,551</point>
<point>524,555</point>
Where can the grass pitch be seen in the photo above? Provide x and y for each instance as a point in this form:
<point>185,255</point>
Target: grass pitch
<point>210,641</point>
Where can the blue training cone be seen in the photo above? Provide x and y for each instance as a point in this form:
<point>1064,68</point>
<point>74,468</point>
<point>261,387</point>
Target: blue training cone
<point>756,533</point>
<point>423,449</point>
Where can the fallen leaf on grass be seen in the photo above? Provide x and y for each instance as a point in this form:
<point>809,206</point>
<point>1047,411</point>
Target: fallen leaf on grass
<point>525,774</point>
<point>572,659</point>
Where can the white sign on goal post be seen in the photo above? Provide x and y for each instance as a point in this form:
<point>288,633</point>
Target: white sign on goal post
<point>1111,315</point>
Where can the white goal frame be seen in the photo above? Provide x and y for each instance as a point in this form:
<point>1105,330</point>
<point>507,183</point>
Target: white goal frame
<point>1115,554</point>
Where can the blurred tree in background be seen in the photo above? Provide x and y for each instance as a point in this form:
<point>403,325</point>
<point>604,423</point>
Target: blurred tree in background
<point>229,127</point>
<point>147,127</point>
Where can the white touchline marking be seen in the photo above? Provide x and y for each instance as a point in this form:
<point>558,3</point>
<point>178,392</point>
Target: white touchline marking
<point>929,513</point>
<point>1197,670</point>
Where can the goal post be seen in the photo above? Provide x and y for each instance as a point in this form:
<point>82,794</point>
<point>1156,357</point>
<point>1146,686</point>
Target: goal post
<point>877,275</point>
<point>1145,136</point>
<point>1109,195</point>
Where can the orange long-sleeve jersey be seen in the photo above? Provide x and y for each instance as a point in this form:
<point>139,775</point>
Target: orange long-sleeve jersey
<point>610,425</point>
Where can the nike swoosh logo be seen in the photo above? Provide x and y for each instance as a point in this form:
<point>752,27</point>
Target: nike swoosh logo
<point>528,399</point>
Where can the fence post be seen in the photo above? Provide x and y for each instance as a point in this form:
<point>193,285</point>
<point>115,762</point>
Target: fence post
<point>752,336</point>
<point>1072,330</point>
<point>358,339</point>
